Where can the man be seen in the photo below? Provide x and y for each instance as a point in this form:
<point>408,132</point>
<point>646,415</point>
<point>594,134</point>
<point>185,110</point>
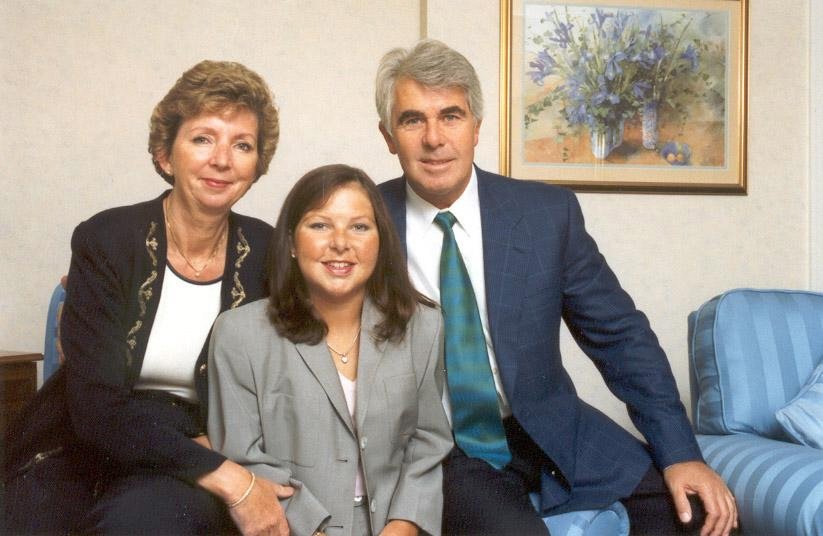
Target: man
<point>523,250</point>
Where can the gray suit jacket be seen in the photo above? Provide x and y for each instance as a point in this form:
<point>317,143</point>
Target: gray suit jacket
<point>278,408</point>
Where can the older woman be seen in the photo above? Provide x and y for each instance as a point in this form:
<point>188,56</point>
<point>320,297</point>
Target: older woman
<point>114,442</point>
<point>334,384</point>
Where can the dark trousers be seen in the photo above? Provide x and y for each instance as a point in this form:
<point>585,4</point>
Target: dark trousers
<point>156,504</point>
<point>54,498</point>
<point>652,512</point>
<point>73,489</point>
<point>49,497</point>
<point>481,500</point>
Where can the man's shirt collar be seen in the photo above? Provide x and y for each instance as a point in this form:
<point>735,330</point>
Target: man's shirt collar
<point>420,213</point>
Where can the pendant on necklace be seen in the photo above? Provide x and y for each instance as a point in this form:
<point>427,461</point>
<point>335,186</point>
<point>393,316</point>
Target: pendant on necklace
<point>344,359</point>
<point>196,274</point>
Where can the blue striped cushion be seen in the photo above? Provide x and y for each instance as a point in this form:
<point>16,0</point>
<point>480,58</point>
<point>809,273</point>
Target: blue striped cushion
<point>778,486</point>
<point>750,352</point>
<point>802,418</point>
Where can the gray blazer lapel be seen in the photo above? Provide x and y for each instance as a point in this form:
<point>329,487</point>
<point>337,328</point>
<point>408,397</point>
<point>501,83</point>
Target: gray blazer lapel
<point>368,362</point>
<point>317,358</point>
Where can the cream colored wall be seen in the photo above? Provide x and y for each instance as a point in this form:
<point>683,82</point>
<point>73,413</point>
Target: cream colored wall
<point>816,146</point>
<point>79,81</point>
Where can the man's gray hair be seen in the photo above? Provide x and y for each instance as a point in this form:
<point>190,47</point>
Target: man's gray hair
<point>432,64</point>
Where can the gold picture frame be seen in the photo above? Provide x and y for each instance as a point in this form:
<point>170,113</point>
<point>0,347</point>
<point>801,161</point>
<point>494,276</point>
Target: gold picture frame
<point>625,95</point>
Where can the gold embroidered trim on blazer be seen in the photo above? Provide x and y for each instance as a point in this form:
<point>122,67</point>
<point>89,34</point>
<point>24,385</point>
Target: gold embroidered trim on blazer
<point>238,293</point>
<point>145,292</point>
<point>131,340</point>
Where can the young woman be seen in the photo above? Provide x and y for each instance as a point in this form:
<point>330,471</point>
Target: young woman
<point>334,384</point>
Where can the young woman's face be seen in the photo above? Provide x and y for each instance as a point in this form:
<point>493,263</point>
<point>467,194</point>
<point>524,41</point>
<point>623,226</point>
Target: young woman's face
<point>336,246</point>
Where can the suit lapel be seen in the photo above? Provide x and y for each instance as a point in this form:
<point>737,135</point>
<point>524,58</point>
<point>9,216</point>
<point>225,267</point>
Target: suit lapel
<point>317,358</point>
<point>368,361</point>
<point>394,195</point>
<point>504,251</point>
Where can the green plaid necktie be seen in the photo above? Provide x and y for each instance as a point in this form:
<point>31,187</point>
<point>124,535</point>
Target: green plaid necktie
<point>476,422</point>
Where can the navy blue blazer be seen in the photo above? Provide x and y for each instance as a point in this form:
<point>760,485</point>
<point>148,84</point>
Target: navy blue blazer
<point>540,266</point>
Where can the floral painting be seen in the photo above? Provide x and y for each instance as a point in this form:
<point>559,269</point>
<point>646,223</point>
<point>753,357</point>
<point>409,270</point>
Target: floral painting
<point>647,95</point>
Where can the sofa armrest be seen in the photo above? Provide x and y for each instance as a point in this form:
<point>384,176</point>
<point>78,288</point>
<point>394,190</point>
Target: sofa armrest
<point>778,485</point>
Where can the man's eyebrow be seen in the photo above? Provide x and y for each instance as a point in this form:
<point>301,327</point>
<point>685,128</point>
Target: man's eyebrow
<point>409,114</point>
<point>456,110</point>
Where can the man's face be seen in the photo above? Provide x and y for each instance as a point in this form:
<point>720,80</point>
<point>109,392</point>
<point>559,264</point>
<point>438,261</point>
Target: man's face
<point>434,135</point>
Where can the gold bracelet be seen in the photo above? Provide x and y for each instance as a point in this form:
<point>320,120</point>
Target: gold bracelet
<point>245,493</point>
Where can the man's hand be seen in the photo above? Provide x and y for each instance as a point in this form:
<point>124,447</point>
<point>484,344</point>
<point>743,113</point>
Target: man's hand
<point>697,478</point>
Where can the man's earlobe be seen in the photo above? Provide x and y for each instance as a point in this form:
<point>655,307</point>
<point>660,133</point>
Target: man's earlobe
<point>388,137</point>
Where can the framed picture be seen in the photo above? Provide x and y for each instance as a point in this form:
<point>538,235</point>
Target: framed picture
<point>625,95</point>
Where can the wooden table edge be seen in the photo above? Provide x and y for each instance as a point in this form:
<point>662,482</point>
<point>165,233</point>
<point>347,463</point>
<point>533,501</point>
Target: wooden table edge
<point>9,356</point>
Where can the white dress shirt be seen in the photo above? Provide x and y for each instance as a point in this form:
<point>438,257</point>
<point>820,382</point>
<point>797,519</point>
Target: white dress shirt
<point>424,240</point>
<point>350,392</point>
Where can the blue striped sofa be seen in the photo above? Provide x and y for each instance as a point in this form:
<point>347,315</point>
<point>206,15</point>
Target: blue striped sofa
<point>750,352</point>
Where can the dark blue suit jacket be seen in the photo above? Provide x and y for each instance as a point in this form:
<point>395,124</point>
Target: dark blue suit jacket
<point>541,265</point>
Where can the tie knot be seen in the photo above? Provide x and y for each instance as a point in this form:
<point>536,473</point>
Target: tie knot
<point>445,220</point>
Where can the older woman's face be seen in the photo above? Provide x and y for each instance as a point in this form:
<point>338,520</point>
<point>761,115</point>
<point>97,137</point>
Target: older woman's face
<point>336,246</point>
<point>213,159</point>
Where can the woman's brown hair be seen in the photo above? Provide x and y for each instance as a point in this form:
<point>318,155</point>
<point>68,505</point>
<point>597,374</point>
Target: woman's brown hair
<point>389,286</point>
<point>215,87</point>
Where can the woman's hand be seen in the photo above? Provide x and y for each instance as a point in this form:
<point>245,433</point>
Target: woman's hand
<point>260,512</point>
<point>202,440</point>
<point>399,527</point>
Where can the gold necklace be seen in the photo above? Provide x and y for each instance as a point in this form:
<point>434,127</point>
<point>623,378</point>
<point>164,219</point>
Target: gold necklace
<point>344,356</point>
<point>197,271</point>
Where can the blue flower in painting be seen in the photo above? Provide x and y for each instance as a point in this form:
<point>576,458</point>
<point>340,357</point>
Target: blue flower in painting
<point>690,55</point>
<point>599,17</point>
<point>619,26</point>
<point>613,69</point>
<point>640,88</point>
<point>562,31</point>
<point>661,61</point>
<point>574,86</point>
<point>658,53</point>
<point>606,64</point>
<point>603,93</point>
<point>585,57</point>
<point>643,57</point>
<point>578,115</point>
<point>543,65</point>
